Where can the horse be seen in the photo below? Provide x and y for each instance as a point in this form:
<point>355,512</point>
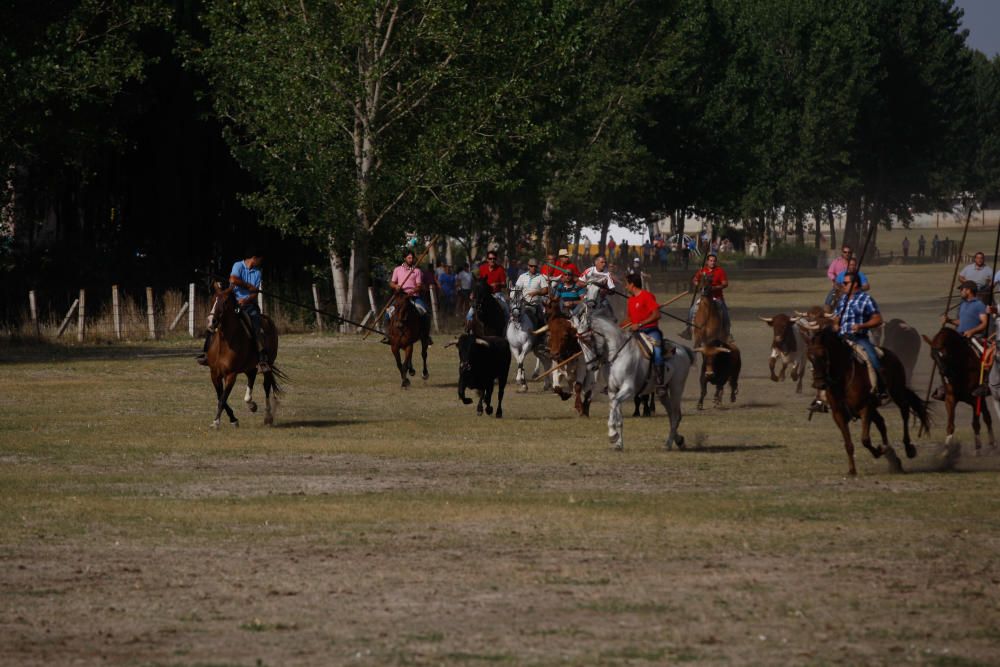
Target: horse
<point>406,327</point>
<point>233,350</point>
<point>630,373</point>
<point>522,339</point>
<point>707,323</point>
<point>960,368</point>
<point>488,317</point>
<point>577,374</point>
<point>838,372</point>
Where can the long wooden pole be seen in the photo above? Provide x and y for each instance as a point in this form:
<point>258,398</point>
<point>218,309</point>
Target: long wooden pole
<point>951,293</point>
<point>416,265</point>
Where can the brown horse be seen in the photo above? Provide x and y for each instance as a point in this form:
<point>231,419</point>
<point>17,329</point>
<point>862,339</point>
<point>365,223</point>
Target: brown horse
<point>838,372</point>
<point>707,323</point>
<point>406,327</point>
<point>959,366</point>
<point>232,351</point>
<point>563,344</point>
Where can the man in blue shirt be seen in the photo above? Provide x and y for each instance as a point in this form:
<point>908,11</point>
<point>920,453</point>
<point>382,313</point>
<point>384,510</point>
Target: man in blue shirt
<point>852,267</point>
<point>858,314</point>
<point>972,321</point>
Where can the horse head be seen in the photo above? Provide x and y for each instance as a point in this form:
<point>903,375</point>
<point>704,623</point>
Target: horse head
<point>223,301</point>
<point>822,350</point>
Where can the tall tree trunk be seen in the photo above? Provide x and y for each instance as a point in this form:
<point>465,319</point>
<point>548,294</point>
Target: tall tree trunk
<point>339,273</point>
<point>833,226</point>
<point>818,235</point>
<point>800,230</point>
<point>360,277</point>
<point>852,224</point>
<point>605,225</point>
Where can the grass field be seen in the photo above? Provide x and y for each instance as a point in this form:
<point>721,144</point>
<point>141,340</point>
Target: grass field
<point>373,525</point>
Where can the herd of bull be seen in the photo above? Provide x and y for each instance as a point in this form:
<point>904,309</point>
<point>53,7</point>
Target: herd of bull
<point>574,351</point>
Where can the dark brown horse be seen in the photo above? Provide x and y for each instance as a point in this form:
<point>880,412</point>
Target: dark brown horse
<point>849,393</point>
<point>488,318</point>
<point>959,366</point>
<point>233,350</point>
<point>406,327</point>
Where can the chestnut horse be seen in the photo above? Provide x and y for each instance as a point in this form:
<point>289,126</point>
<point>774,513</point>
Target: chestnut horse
<point>233,350</point>
<point>849,393</point>
<point>959,366</point>
<point>707,323</point>
<point>406,327</point>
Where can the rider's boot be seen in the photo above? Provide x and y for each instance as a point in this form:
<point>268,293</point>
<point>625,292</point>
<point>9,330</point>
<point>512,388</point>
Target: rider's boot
<point>202,358</point>
<point>262,364</point>
<point>659,375</point>
<point>881,394</point>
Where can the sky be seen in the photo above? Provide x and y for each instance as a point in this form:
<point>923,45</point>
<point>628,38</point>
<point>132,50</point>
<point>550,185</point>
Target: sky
<point>982,20</point>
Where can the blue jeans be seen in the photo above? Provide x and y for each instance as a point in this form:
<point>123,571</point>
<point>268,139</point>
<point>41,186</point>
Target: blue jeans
<point>253,312</point>
<point>656,334</point>
<point>864,342</point>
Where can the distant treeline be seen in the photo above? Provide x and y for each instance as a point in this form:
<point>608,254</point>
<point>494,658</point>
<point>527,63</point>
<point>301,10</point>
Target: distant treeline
<point>144,140</point>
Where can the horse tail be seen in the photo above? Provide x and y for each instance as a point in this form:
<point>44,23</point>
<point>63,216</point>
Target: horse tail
<point>917,405</point>
<point>276,375</point>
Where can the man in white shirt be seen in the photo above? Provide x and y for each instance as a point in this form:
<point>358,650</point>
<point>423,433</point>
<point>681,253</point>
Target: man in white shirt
<point>533,286</point>
<point>980,274</point>
<point>599,275</point>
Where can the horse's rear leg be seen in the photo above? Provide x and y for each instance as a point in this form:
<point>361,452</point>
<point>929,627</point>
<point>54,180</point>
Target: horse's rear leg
<point>268,411</point>
<point>845,431</point>
<point>501,384</point>
<point>904,413</point>
<point>423,356</point>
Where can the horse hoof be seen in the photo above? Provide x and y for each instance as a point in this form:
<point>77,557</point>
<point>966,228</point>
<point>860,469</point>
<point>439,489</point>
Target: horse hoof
<point>699,407</point>
<point>425,375</point>
<point>522,389</point>
<point>499,413</point>
<point>269,420</point>
<point>911,451</point>
<point>489,409</point>
<point>405,384</point>
<point>412,372</point>
<point>215,425</point>
<point>235,423</point>
<point>680,441</point>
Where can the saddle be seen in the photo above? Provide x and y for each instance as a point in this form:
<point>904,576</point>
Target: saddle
<point>647,344</point>
<point>861,355</point>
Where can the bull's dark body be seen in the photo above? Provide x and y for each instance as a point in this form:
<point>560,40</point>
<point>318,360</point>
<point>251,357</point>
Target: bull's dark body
<point>480,366</point>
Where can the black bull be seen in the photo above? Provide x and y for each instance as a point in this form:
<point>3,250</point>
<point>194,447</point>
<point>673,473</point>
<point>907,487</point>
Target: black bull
<point>483,360</point>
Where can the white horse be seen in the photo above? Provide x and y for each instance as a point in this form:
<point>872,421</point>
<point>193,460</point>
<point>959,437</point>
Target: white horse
<point>631,373</point>
<point>522,339</point>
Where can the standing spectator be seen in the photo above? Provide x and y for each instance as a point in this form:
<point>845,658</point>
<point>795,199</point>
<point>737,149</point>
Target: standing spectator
<point>464,280</point>
<point>906,247</point>
<point>586,247</point>
<point>936,247</point>
<point>611,248</point>
<point>446,283</point>
<point>752,249</point>
<point>623,251</point>
<point>647,251</point>
<point>921,246</point>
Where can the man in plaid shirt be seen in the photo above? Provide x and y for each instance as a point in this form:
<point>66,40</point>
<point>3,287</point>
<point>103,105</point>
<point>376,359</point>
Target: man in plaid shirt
<point>858,313</point>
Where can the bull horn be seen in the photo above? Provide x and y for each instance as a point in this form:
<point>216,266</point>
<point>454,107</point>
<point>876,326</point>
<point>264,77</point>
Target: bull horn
<point>799,313</point>
<point>480,341</point>
<point>811,326</point>
<point>724,349</point>
<point>794,320</point>
<point>539,332</point>
<point>765,319</point>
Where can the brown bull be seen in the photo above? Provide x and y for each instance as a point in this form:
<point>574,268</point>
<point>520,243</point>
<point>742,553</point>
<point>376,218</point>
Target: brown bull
<point>788,345</point>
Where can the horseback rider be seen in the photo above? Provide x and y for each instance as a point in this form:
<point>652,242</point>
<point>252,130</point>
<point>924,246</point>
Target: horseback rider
<point>533,286</point>
<point>496,278</point>
<point>245,278</point>
<point>569,293</point>
<point>714,276</point>
<point>644,317</point>
<point>599,275</point>
<point>835,274</point>
<point>858,313</point>
<point>852,267</point>
<point>408,278</point>
<point>972,322</point>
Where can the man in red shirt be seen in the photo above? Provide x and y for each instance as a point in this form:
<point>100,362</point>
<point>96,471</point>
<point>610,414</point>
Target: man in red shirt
<point>565,266</point>
<point>494,273</point>
<point>644,316</point>
<point>711,274</point>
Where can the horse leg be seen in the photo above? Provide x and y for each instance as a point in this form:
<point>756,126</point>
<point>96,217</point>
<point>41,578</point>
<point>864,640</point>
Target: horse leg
<point>501,383</point>
<point>976,429</point>
<point>578,403</point>
<point>586,402</point>
<point>734,387</point>
<point>226,390</point>
<point>638,400</point>
<point>615,421</point>
<point>845,431</point>
<point>268,412</point>
<point>522,384</point>
<point>904,413</point>
<point>949,408</point>
<point>248,398</point>
<point>217,383</point>
<point>400,366</point>
<point>479,405</point>
<point>872,415</point>
<point>409,360</point>
<point>989,422</point>
<point>423,357</point>
<point>801,374</point>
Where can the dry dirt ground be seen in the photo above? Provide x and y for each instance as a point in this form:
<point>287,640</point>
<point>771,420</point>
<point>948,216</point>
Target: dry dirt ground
<point>373,525</point>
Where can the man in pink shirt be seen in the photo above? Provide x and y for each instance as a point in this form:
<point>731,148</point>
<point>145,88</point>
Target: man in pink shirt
<point>836,267</point>
<point>407,278</point>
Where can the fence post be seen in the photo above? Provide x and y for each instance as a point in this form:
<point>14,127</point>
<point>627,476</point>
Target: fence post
<point>69,315</point>
<point>191,309</point>
<point>319,318</point>
<point>34,312</point>
<point>151,313</point>
<point>434,308</point>
<point>260,298</point>
<point>116,312</point>
<point>81,312</point>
